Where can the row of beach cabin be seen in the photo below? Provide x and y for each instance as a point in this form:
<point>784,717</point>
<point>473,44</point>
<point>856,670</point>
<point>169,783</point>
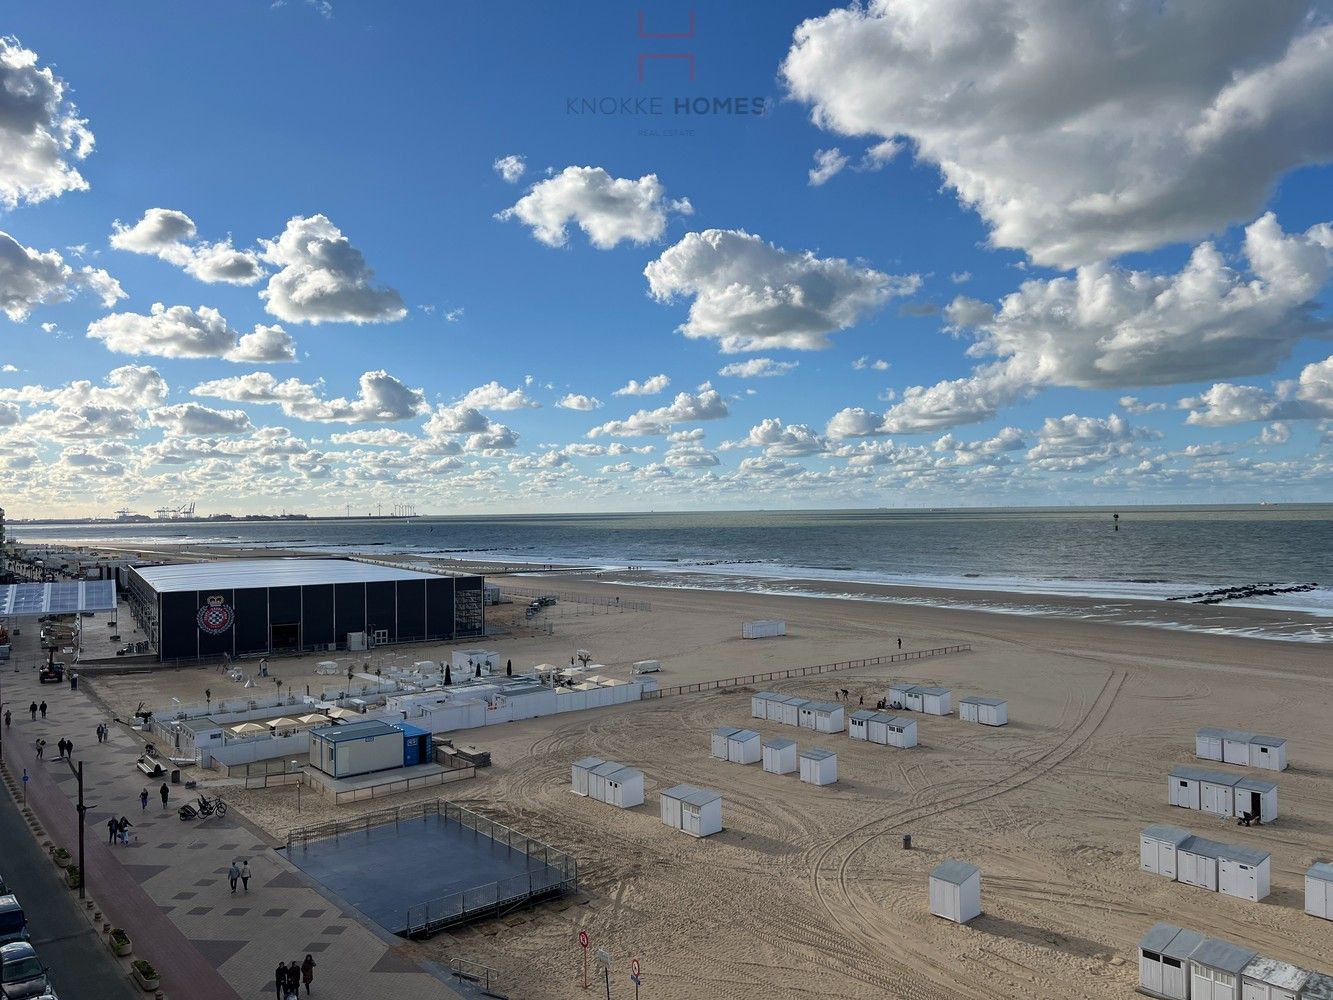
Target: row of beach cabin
<point>1235,746</point>
<point>1222,794</point>
<point>1177,854</point>
<point>1177,964</point>
<point>779,756</point>
<point>880,727</point>
<point>821,716</point>
<point>609,782</point>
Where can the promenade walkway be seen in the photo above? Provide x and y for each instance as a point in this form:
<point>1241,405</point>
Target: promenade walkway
<point>169,887</point>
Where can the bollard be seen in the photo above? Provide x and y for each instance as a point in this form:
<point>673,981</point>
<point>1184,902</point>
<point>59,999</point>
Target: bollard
<point>907,841</point>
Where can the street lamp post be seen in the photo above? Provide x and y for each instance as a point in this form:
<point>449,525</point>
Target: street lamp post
<point>82,810</point>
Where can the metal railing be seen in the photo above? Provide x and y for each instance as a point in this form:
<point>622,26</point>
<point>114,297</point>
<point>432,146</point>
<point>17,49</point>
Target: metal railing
<point>474,972</point>
<point>455,771</point>
<point>821,668</point>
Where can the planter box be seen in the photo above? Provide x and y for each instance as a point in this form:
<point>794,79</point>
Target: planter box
<point>61,862</point>
<point>121,948</point>
<point>147,985</point>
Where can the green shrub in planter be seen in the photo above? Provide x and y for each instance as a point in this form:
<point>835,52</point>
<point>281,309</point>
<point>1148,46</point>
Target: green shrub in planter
<point>145,974</point>
<point>72,875</point>
<point>61,857</point>
<point>119,942</point>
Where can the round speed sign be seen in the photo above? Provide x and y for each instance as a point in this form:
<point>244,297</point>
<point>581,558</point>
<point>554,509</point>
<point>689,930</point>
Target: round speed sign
<point>583,939</point>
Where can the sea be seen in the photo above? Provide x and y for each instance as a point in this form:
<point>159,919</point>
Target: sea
<point>1143,554</point>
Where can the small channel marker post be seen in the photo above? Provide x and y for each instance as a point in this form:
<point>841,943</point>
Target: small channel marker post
<point>583,943</point>
<point>634,976</point>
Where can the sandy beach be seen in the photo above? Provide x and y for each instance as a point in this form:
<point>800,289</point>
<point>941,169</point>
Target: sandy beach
<point>807,891</point>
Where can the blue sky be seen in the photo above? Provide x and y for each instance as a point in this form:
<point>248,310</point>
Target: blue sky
<point>931,272</point>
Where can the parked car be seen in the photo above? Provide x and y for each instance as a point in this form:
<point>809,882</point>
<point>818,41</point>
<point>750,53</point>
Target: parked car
<point>13,923</point>
<point>22,974</point>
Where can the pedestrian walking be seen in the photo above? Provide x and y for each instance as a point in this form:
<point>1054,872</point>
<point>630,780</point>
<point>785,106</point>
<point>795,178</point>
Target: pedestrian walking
<point>33,710</point>
<point>6,718</point>
<point>900,642</point>
<point>112,828</point>
<point>143,801</point>
<point>123,828</point>
<point>41,746</point>
<point>293,978</point>
<point>69,749</point>
<point>42,708</point>
<point>308,972</point>
<point>165,792</point>
<point>73,680</point>
<point>862,701</point>
<point>280,981</point>
<point>233,876</point>
<point>245,876</point>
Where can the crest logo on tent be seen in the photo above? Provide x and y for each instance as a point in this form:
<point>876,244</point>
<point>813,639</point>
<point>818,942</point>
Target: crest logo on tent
<point>216,616</point>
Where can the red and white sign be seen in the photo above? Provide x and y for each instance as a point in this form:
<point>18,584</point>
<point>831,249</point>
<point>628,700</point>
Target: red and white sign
<point>634,968</point>
<point>583,940</point>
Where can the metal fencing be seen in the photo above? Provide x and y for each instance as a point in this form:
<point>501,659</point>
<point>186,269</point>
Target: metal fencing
<point>608,603</point>
<point>821,668</point>
<point>558,871</point>
<point>393,787</point>
<point>558,874</point>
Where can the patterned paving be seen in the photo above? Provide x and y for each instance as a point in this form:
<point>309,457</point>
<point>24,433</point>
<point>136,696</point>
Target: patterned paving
<point>284,918</point>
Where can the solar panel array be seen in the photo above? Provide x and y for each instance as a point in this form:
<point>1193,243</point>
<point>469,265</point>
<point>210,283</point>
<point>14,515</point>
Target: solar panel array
<point>32,599</point>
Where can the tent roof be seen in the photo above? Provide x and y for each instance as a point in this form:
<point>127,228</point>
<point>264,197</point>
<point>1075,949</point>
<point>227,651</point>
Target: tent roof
<point>30,600</point>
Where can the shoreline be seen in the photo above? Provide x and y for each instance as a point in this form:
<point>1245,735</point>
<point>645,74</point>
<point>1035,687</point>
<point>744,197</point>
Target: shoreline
<point>1235,620</point>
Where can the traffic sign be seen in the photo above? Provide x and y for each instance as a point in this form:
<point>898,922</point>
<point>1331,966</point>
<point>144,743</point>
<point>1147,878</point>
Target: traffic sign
<point>583,940</point>
<point>634,968</point>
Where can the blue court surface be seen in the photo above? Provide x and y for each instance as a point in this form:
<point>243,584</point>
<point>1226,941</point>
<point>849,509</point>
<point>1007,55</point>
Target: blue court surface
<point>425,870</point>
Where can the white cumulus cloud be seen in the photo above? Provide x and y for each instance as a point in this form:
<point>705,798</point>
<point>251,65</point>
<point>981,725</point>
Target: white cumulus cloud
<point>182,332</point>
<point>750,295</point>
<point>1086,130</point>
<point>511,167</point>
<point>578,401</point>
<point>650,386</point>
<point>171,236</point>
<point>608,209</point>
<point>322,278</point>
<point>494,396</point>
<point>382,398</point>
<point>41,133</point>
<point>757,368</point>
<point>828,163</point>
<point>29,277</point>
<point>686,407</point>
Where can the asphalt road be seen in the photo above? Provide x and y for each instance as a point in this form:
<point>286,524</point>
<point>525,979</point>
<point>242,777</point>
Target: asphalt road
<point>80,965</point>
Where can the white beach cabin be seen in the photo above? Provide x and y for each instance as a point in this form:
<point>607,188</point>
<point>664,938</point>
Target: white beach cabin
<point>916,698</point>
<point>759,703</point>
<point>624,788</point>
<point>1194,788</point>
<point>819,767</point>
<point>789,711</point>
<point>1319,890</point>
<point>764,629</point>
<point>1256,797</point>
<point>987,711</point>
<point>1157,849</point>
<point>1215,968</point>
<point>1269,752</point>
<point>692,810</point>
<point>955,891</point>
<point>718,746</point>
<point>597,779</point>
<point>647,666</point>
<point>821,716</point>
<point>1269,979</point>
<point>1236,747</point>
<point>1163,959</point>
<point>892,731</point>
<point>1232,870</point>
<point>779,756</point>
<point>579,773</point>
<point>744,747</point>
<point>858,724</point>
<point>1208,743</point>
